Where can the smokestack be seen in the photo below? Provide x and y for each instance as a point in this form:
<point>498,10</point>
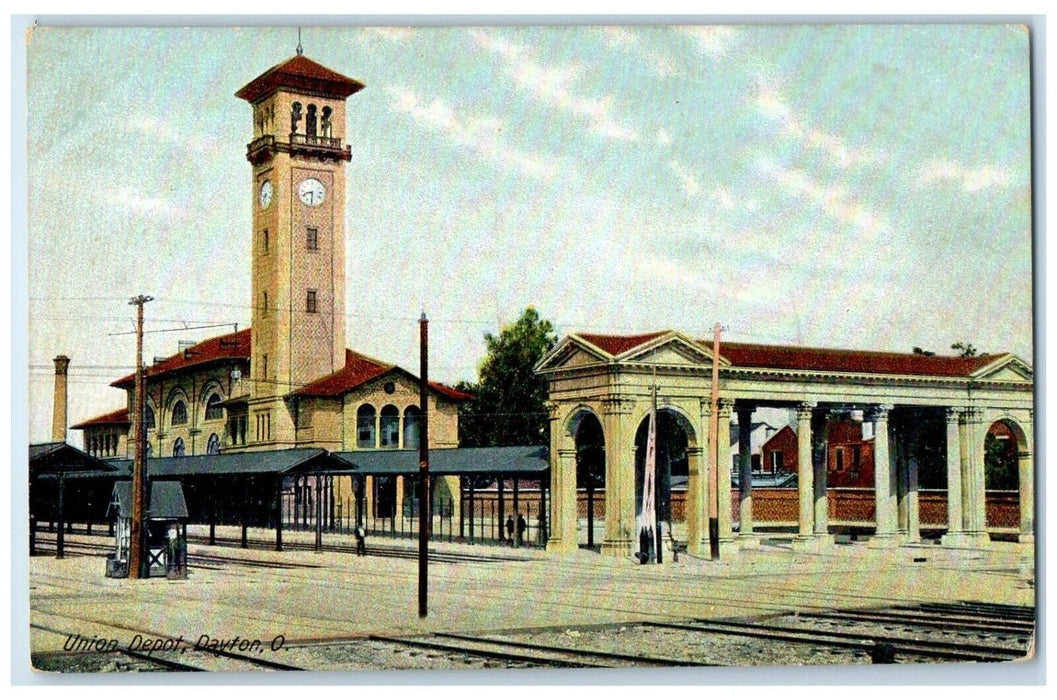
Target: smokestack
<point>58,416</point>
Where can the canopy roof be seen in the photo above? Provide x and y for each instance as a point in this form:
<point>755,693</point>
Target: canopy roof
<point>454,461</point>
<point>166,500</point>
<point>51,458</point>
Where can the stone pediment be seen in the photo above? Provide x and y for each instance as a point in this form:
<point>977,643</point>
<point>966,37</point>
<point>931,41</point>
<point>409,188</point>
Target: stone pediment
<point>1008,368</point>
<point>671,349</point>
<point>570,353</point>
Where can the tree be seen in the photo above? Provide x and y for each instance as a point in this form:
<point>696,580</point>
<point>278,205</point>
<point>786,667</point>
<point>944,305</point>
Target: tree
<point>508,404</point>
<point>965,349</point>
<point>920,351</point>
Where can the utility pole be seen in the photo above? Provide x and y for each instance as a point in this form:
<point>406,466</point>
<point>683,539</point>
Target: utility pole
<point>138,566</point>
<point>424,510</point>
<point>713,434</point>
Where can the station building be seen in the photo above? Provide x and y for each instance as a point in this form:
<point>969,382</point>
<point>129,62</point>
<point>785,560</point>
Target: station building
<point>288,382</point>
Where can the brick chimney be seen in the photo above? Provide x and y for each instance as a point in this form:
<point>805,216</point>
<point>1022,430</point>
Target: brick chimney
<point>58,416</point>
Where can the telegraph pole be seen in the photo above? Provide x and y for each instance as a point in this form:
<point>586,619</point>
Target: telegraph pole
<point>424,510</point>
<point>713,471</point>
<point>137,546</point>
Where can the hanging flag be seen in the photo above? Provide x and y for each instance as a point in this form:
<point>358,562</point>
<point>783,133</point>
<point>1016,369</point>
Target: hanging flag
<point>649,477</point>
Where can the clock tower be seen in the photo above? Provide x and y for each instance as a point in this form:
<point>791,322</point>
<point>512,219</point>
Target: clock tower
<point>298,156</point>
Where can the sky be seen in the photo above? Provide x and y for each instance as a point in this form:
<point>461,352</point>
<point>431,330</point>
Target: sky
<point>849,186</point>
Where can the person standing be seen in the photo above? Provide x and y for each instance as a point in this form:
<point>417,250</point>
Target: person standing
<point>510,529</point>
<point>361,541</point>
<point>521,527</point>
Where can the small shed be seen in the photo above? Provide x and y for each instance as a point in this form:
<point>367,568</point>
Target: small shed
<point>166,530</point>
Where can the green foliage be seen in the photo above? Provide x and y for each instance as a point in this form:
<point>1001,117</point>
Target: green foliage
<point>1000,464</point>
<point>508,405</point>
<point>965,349</point>
<point>919,351</point>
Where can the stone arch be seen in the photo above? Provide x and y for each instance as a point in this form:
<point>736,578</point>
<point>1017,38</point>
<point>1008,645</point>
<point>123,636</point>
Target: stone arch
<point>178,449</point>
<point>1008,471</point>
<point>589,442</point>
<point>676,439</point>
<point>206,400</point>
<point>389,427</point>
<point>412,426</point>
<point>176,395</point>
<point>213,444</point>
<point>365,426</point>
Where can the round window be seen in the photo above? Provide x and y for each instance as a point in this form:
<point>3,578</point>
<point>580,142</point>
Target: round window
<point>389,387</point>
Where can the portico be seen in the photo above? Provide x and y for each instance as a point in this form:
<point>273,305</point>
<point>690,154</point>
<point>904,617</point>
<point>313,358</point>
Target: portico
<point>928,413</point>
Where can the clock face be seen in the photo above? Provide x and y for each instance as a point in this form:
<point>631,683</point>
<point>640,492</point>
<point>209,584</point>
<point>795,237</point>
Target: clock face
<point>266,194</point>
<point>311,191</point>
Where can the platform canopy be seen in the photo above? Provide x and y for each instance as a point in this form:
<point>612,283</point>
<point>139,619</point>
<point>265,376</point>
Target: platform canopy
<point>272,462</point>
<point>166,500</point>
<point>49,459</point>
<point>528,461</point>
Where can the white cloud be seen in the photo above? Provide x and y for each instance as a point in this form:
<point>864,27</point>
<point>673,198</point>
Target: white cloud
<point>713,40</point>
<point>770,102</point>
<point>970,179</point>
<point>129,199</point>
<point>686,178</point>
<point>481,133</point>
<point>663,137</point>
<point>834,200</point>
<point>555,86</point>
<point>661,64</point>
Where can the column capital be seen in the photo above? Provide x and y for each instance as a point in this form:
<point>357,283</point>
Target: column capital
<point>552,409</point>
<point>745,410</point>
<point>804,410</point>
<point>878,412</point>
<point>616,403</point>
<point>567,453</point>
<point>725,406</point>
<point>951,414</point>
<point>971,414</point>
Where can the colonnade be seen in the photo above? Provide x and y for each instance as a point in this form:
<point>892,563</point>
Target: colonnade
<point>895,476</point>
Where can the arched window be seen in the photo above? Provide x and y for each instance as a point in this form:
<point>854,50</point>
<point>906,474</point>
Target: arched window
<point>365,426</point>
<point>325,123</point>
<point>214,411</point>
<point>390,427</point>
<point>178,448</point>
<point>150,418</point>
<point>213,446</point>
<point>412,427</point>
<point>310,123</point>
<point>295,117</point>
<point>179,413</point>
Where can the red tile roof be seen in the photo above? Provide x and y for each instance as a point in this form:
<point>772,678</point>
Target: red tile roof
<point>302,74</point>
<point>233,346</point>
<point>118,417</point>
<point>814,359</point>
<point>359,369</point>
<point>857,361</point>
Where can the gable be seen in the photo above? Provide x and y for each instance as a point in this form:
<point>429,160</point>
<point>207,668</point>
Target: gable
<point>1008,368</point>
<point>672,349</point>
<point>570,352</point>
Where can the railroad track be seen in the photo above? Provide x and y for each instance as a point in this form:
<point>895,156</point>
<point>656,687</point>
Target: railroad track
<point>870,641</point>
<point>532,655</point>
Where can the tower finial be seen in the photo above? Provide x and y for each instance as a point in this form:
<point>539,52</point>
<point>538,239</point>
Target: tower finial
<point>299,49</point>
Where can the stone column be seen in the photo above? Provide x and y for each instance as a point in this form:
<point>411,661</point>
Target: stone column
<point>805,478</point>
<point>746,540</point>
<point>1026,481</point>
<point>974,507</point>
<point>368,499</point>
<point>697,542</point>
<point>910,483</point>
<point>620,537</point>
<point>723,469</point>
<point>954,535</point>
<point>885,534</point>
<point>820,463</point>
<point>563,536</point>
